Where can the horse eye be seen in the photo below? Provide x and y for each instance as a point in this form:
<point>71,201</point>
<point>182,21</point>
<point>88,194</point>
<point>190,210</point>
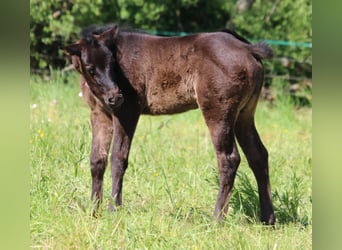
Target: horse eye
<point>91,70</point>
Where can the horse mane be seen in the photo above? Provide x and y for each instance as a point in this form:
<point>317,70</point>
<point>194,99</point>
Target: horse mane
<point>236,35</point>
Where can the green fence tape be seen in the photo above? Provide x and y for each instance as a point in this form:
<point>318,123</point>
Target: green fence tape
<point>289,43</point>
<point>274,42</point>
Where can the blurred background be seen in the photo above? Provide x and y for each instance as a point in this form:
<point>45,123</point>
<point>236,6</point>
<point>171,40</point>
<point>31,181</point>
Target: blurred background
<point>285,25</point>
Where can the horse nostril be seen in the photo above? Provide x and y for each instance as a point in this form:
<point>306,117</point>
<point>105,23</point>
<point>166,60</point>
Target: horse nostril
<point>111,100</point>
<point>115,99</point>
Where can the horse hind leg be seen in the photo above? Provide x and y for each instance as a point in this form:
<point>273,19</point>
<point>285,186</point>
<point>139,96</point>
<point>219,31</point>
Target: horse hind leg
<point>228,159</point>
<point>220,121</point>
<point>257,157</point>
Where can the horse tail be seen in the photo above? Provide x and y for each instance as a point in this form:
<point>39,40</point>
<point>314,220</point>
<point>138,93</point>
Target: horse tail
<point>261,50</point>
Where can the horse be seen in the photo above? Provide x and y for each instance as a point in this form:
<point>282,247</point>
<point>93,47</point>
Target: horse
<point>125,74</point>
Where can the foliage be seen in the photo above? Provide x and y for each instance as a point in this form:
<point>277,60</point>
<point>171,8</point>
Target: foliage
<point>285,20</point>
<point>171,184</point>
<point>54,23</point>
<point>180,15</point>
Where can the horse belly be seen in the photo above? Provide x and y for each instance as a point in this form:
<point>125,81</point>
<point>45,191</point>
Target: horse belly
<point>171,95</point>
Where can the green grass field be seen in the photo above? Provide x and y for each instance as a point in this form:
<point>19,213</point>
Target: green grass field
<point>171,184</point>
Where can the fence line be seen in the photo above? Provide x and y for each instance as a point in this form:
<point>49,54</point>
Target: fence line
<point>274,42</point>
<point>289,43</point>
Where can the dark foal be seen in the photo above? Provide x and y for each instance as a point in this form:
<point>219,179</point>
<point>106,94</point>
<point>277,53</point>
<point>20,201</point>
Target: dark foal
<point>125,74</point>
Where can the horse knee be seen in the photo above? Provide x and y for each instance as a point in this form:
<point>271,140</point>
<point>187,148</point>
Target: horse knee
<point>234,158</point>
<point>119,164</point>
<point>229,163</point>
<point>98,166</point>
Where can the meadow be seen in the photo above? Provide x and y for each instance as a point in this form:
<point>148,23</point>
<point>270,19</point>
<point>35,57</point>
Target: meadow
<point>171,183</point>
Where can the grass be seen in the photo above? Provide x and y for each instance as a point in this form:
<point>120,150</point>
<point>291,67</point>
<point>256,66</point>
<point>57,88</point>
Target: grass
<point>171,184</point>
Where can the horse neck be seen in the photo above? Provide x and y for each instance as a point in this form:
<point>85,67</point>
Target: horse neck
<point>131,59</point>
<point>130,51</point>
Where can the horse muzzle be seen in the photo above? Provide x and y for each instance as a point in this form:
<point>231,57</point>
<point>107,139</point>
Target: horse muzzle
<point>114,100</point>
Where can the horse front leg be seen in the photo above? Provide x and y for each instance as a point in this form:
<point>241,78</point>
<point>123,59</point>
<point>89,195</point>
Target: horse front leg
<point>102,132</point>
<point>124,127</point>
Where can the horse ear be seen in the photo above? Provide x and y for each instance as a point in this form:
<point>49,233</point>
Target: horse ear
<point>115,30</point>
<point>108,35</point>
<point>73,49</point>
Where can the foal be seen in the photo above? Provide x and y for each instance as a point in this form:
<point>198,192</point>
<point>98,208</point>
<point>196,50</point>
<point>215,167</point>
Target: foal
<point>125,74</point>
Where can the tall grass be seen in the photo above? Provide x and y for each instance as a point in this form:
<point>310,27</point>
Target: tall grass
<point>171,184</point>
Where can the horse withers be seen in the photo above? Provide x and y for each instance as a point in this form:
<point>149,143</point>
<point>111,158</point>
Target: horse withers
<point>125,74</point>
